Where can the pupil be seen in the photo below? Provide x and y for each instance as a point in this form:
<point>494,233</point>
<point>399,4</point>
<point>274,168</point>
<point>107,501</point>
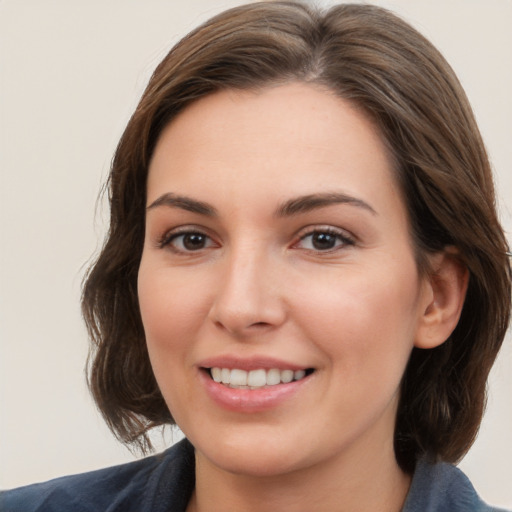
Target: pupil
<point>194,241</point>
<point>323,241</point>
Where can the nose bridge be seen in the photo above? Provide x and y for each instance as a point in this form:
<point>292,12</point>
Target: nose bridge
<point>247,293</point>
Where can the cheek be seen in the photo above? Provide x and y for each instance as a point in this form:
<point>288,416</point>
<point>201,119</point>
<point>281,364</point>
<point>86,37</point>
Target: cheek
<point>367,319</point>
<point>170,310</point>
<point>169,302</point>
<point>173,308</point>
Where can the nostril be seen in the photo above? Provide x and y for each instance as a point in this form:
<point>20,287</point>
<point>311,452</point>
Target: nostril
<point>259,324</point>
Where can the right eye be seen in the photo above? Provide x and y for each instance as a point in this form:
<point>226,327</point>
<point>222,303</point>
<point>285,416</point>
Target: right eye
<point>187,241</point>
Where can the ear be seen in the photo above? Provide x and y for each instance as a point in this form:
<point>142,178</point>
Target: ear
<point>443,297</point>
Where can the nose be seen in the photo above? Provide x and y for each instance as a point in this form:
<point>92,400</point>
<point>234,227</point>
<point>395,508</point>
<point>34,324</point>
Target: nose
<point>249,296</point>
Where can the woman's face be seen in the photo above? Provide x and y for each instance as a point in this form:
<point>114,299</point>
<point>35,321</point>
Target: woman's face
<point>277,248</point>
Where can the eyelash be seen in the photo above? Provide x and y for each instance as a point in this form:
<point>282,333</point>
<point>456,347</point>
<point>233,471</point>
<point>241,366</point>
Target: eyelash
<point>169,237</point>
<point>340,236</point>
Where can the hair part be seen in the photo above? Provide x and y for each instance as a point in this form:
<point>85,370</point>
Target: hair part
<point>382,65</point>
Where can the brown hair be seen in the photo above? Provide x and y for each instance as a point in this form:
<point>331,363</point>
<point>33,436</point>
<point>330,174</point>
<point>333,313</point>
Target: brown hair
<point>371,57</point>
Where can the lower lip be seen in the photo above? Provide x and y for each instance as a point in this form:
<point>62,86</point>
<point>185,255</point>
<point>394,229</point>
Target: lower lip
<point>250,400</point>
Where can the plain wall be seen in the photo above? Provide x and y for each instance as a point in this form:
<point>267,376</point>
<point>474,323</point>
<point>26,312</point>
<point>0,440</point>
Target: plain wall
<point>71,73</point>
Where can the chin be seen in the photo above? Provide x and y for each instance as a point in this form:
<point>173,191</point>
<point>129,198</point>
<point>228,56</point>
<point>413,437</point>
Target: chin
<point>256,463</point>
<point>251,455</point>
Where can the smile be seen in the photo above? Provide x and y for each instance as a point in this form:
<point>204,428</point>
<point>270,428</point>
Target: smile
<point>236,378</point>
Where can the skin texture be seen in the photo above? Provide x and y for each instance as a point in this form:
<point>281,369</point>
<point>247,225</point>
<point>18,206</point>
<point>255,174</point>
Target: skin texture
<point>257,285</point>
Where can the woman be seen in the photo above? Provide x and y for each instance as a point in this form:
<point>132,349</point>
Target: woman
<point>304,271</point>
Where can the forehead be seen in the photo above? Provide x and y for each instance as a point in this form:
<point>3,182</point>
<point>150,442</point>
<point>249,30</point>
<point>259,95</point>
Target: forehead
<point>289,139</point>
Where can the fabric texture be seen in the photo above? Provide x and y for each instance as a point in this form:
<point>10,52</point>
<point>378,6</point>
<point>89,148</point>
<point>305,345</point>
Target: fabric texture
<point>164,483</point>
<point>443,488</point>
<point>161,483</point>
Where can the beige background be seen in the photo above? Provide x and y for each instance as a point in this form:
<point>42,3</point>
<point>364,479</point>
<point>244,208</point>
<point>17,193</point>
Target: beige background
<point>71,72</point>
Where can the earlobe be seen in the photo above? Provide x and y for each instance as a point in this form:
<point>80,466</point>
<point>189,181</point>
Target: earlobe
<point>445,292</point>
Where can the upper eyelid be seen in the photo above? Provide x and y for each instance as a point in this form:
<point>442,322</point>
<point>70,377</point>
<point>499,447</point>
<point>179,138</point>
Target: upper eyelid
<point>319,228</point>
<point>163,239</point>
<point>345,237</point>
<point>300,234</point>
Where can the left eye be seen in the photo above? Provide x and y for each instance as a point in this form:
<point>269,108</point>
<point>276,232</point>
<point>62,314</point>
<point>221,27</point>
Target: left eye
<point>324,241</point>
<point>187,242</point>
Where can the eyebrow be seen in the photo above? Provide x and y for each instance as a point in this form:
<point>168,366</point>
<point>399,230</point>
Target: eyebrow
<point>185,203</point>
<point>295,206</point>
<point>310,202</point>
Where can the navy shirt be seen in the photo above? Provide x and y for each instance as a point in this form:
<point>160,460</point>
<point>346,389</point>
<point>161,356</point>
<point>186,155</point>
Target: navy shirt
<point>164,483</point>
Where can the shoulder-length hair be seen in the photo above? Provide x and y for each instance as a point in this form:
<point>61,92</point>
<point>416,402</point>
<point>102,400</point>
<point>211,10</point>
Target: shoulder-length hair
<point>374,59</point>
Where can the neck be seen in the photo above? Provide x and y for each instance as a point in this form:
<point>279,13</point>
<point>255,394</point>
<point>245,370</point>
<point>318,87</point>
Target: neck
<point>369,483</point>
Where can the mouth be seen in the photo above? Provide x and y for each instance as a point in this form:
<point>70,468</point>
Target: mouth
<point>236,378</point>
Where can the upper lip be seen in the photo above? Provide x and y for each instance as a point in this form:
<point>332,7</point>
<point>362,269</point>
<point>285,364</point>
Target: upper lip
<point>251,363</point>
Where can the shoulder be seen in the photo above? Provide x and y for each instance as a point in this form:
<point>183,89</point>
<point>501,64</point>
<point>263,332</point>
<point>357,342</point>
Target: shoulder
<point>442,487</point>
<point>168,477</point>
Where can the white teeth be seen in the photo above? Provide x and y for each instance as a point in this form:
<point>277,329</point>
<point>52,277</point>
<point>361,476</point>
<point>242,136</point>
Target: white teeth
<point>225,375</point>
<point>286,376</point>
<point>273,377</point>
<point>238,378</point>
<point>217,374</point>
<point>255,379</point>
<point>299,374</point>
